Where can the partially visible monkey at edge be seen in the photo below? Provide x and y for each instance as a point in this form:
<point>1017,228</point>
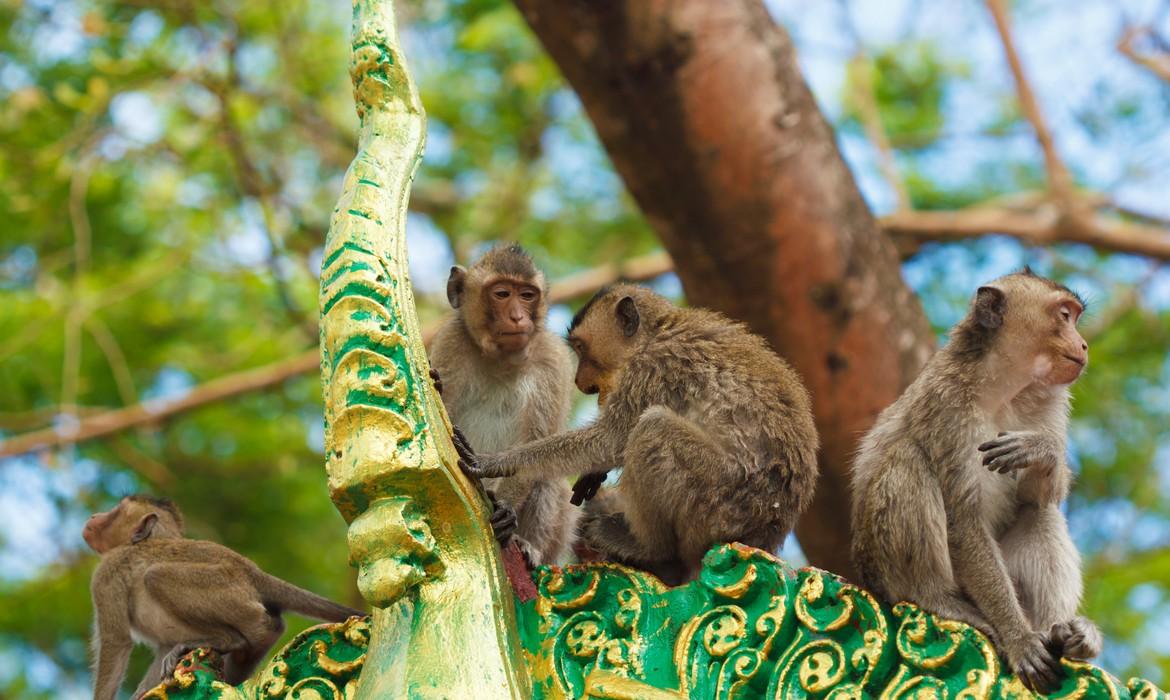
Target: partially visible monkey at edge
<point>507,380</point>
<point>714,431</point>
<point>957,488</point>
<point>156,587</point>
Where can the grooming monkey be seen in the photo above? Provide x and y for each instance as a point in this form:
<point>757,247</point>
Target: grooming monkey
<point>714,430</point>
<point>957,488</point>
<point>506,380</point>
<point>157,587</point>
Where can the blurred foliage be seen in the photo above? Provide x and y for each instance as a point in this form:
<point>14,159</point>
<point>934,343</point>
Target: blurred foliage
<point>169,169</point>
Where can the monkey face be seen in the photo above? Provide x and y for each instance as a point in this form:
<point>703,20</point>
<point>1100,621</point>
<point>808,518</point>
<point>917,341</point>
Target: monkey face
<point>512,307</point>
<point>134,519</point>
<point>604,335</point>
<point>104,531</point>
<point>1059,352</point>
<point>1069,352</point>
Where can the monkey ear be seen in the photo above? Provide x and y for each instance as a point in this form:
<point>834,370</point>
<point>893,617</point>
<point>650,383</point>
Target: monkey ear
<point>144,528</point>
<point>455,283</point>
<point>627,315</point>
<point>990,305</point>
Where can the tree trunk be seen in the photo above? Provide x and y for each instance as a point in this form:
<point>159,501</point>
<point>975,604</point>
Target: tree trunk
<point>704,112</point>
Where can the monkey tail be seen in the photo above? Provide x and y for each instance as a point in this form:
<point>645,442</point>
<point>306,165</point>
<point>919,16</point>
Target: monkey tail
<point>281,596</point>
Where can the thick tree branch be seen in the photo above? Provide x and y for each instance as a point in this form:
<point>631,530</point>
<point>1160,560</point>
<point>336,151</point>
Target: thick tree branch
<point>1039,227</point>
<point>109,423</point>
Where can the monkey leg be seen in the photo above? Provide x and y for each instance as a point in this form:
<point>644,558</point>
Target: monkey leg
<point>903,553</point>
<point>547,521</point>
<point>1046,569</point>
<point>605,529</point>
<point>220,609</point>
<point>239,665</point>
<point>673,501</point>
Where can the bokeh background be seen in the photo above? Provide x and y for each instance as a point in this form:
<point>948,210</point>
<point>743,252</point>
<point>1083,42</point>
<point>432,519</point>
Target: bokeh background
<point>168,169</point>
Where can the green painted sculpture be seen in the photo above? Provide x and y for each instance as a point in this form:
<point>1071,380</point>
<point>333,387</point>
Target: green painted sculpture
<point>446,623</point>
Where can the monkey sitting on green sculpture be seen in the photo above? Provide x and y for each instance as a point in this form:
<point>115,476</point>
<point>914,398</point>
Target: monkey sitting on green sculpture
<point>157,587</point>
<point>714,431</point>
<point>957,488</point>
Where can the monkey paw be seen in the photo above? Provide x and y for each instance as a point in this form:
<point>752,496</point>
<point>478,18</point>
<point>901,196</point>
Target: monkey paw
<point>468,460</point>
<point>1077,639</point>
<point>171,661</point>
<point>1037,667</point>
<point>436,381</point>
<point>503,519</point>
<point>1015,450</point>
<point>586,487</point>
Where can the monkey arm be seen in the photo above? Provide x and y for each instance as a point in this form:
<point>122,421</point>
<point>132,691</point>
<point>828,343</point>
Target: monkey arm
<point>112,642</point>
<point>982,574</point>
<point>563,454</point>
<point>1039,454</point>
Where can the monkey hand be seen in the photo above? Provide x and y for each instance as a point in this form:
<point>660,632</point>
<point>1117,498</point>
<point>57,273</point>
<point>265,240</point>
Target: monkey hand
<point>1035,664</point>
<point>586,487</point>
<point>1077,639</point>
<point>437,382</point>
<point>1019,449</point>
<point>503,519</point>
<point>477,466</point>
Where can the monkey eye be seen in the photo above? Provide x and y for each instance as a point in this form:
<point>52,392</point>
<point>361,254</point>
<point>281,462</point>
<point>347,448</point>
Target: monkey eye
<point>528,295</point>
<point>1065,313</point>
<point>502,293</point>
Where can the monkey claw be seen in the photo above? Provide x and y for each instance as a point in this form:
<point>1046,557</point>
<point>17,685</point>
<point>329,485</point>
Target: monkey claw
<point>446,623</point>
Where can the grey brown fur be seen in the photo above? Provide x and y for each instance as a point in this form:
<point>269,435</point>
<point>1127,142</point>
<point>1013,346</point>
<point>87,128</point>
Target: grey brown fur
<point>957,488</point>
<point>174,594</point>
<point>500,399</point>
<point>713,429</point>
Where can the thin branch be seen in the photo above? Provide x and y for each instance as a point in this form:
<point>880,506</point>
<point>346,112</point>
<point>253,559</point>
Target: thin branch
<point>1059,178</point>
<point>1159,65</point>
<point>865,97</point>
<point>115,358</point>
<point>1126,300</point>
<point>82,242</point>
<point>862,70</point>
<point>155,411</point>
<point>252,185</point>
<point>153,470</point>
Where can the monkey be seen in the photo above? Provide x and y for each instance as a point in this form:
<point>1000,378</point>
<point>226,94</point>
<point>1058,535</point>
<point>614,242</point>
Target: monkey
<point>506,380</point>
<point>957,488</point>
<point>714,432</point>
<point>155,586</point>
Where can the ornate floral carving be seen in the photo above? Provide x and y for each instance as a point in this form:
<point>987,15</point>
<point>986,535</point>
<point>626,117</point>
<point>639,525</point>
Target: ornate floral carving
<point>751,627</point>
<point>321,663</point>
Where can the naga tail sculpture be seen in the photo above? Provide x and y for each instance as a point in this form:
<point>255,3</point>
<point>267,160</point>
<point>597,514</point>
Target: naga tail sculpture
<point>445,622</point>
<point>444,619</point>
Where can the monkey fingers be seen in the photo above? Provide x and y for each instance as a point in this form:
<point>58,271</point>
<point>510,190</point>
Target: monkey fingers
<point>1037,667</point>
<point>436,381</point>
<point>503,519</point>
<point>586,487</point>
<point>468,460</point>
<point>1077,639</point>
<point>1005,453</point>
